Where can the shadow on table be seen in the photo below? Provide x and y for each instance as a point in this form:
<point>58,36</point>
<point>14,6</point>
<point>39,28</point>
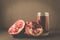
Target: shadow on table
<point>51,35</point>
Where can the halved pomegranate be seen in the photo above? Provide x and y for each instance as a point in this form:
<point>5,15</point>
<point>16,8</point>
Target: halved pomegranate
<point>36,32</point>
<point>34,29</point>
<point>17,27</point>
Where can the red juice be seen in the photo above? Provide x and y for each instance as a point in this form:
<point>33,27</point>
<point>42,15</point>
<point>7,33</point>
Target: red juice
<point>43,19</point>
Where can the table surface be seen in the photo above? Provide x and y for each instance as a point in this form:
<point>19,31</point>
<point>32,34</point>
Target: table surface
<point>53,36</point>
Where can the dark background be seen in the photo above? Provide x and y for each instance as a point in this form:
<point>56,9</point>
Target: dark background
<point>12,10</point>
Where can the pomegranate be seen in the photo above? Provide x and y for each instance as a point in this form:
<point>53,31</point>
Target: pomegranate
<point>34,29</point>
<point>17,27</point>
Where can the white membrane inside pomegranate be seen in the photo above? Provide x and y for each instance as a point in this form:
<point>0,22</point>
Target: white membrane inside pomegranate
<point>17,27</point>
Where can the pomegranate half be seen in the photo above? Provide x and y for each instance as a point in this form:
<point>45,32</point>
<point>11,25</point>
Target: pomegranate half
<point>34,29</point>
<point>17,27</point>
